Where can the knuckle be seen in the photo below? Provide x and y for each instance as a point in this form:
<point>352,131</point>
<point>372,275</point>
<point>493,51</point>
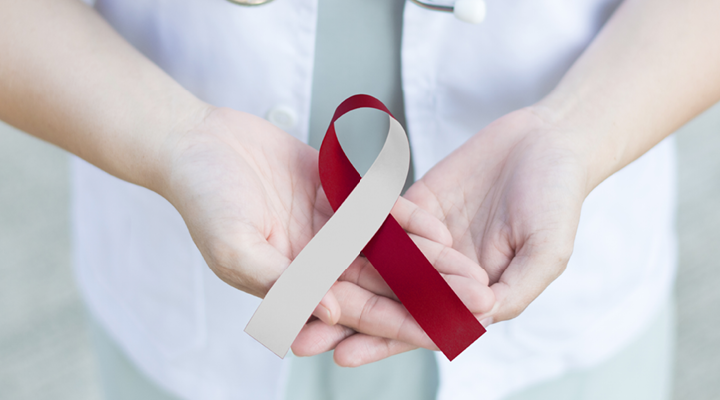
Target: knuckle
<point>367,311</point>
<point>414,215</point>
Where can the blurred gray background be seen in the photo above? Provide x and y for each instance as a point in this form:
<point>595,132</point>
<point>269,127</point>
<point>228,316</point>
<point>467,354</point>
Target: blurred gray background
<point>45,350</point>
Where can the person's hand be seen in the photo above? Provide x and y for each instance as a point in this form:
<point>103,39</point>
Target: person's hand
<point>374,324</point>
<point>251,197</point>
<point>511,198</point>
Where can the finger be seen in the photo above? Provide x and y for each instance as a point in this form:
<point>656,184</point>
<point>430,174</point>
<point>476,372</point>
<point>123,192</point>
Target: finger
<point>532,270</point>
<point>317,337</point>
<point>362,273</point>
<point>467,279</point>
<point>328,311</point>
<point>360,349</point>
<point>420,194</point>
<point>410,217</point>
<point>450,261</point>
<point>479,299</point>
<point>420,222</point>
<point>375,315</point>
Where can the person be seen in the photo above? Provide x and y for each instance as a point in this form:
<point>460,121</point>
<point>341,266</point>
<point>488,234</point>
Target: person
<point>528,134</point>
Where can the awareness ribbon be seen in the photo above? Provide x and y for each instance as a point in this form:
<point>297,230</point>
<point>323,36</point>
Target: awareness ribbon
<point>362,222</point>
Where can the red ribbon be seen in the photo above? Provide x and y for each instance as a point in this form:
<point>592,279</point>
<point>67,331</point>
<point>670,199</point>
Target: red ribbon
<point>413,279</point>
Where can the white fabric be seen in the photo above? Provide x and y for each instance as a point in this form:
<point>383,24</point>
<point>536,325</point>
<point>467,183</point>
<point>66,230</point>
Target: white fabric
<point>146,282</point>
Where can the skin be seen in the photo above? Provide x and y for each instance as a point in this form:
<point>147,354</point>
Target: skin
<point>249,242</point>
<point>511,195</point>
<point>498,216</point>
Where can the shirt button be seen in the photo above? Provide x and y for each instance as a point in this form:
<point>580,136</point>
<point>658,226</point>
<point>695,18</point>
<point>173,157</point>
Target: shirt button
<point>283,117</point>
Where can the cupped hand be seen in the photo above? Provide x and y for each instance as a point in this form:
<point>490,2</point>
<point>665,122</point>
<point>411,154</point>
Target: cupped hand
<point>249,194</point>
<point>511,199</point>
<point>251,197</point>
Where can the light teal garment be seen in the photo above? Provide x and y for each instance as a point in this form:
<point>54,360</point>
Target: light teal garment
<point>411,376</point>
<point>641,371</point>
<point>357,50</point>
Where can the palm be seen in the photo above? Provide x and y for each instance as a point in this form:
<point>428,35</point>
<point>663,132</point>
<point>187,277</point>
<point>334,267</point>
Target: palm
<point>249,194</point>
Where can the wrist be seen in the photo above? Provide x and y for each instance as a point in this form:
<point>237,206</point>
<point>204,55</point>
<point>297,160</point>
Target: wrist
<point>589,132</point>
<point>163,137</point>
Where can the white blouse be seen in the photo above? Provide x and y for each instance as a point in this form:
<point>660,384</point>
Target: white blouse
<point>144,279</point>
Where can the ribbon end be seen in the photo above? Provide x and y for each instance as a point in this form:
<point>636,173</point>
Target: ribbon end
<point>462,341</point>
<point>265,338</point>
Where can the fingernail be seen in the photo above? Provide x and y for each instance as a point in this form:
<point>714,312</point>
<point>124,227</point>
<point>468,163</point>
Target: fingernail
<point>328,315</point>
<point>487,322</point>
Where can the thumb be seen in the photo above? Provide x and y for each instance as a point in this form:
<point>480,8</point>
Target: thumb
<point>530,272</point>
<point>328,311</point>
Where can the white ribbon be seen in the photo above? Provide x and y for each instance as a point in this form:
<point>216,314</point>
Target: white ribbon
<point>292,299</point>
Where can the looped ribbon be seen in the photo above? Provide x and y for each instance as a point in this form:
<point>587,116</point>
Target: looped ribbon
<point>362,222</point>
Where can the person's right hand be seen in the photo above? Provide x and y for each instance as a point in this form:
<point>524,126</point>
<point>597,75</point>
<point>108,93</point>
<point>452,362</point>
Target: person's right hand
<point>251,197</point>
<point>511,196</point>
